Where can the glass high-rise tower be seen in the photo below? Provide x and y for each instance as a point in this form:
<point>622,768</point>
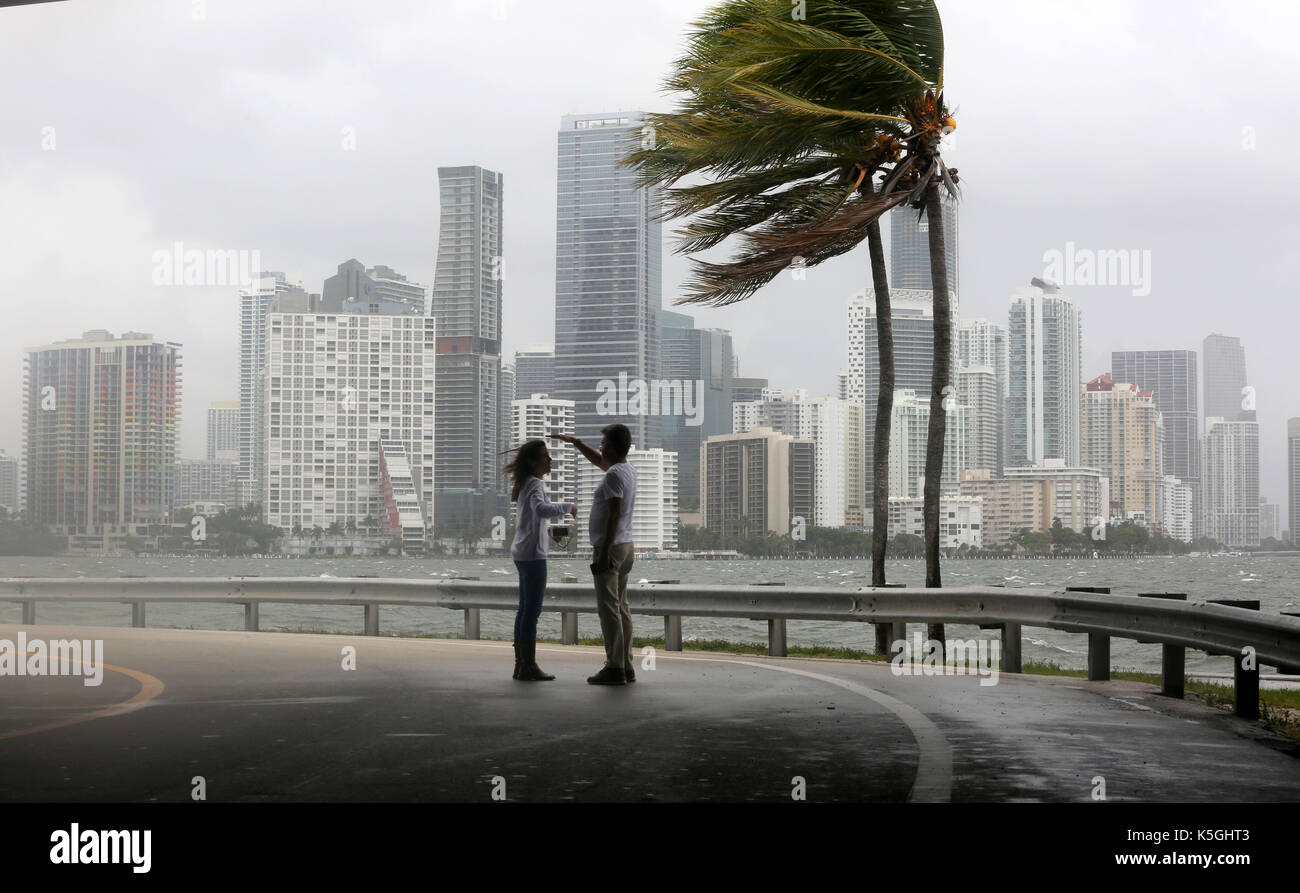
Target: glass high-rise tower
<point>1044,368</point>
<point>608,291</point>
<point>467,306</point>
<point>909,248</point>
<point>1171,376</point>
<point>1225,379</point>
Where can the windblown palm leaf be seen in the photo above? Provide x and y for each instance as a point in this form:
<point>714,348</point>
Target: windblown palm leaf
<point>790,119</point>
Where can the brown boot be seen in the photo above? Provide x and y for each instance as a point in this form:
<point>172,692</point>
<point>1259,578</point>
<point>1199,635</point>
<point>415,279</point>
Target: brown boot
<point>528,669</point>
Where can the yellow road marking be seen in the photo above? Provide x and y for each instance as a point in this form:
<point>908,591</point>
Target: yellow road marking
<point>150,688</point>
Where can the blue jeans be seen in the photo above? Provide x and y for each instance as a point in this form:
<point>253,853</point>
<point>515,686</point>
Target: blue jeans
<point>532,589</point>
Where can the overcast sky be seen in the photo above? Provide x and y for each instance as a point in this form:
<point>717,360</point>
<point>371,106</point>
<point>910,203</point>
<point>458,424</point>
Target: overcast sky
<point>1166,126</point>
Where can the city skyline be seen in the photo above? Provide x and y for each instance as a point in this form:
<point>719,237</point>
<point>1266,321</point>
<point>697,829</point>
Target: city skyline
<point>102,277</point>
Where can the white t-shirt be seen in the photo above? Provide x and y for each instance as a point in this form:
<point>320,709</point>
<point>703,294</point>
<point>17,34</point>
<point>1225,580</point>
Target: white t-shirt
<point>619,482</point>
<point>532,508</point>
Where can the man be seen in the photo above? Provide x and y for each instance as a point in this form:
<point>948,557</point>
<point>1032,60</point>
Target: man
<point>610,529</point>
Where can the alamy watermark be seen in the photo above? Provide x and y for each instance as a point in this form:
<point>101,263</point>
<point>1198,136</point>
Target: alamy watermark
<point>195,266</point>
<point>636,396</point>
<point>56,657</point>
<point>955,657</point>
<point>1086,266</point>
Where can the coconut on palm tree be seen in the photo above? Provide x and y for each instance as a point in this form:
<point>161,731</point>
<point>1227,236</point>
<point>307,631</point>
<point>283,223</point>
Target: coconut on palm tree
<point>791,119</point>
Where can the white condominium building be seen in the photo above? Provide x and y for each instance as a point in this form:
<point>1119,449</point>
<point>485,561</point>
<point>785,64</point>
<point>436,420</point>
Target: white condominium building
<point>337,385</point>
<point>908,436</point>
<point>536,417</point>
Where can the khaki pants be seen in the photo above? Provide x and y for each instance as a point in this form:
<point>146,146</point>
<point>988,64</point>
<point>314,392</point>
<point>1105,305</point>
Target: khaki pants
<point>611,606</point>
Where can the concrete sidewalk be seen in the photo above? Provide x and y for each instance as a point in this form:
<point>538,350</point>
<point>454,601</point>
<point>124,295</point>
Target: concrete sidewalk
<point>275,717</point>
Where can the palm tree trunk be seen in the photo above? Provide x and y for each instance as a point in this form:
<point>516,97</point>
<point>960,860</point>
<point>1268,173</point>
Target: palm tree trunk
<point>884,406</point>
<point>940,388</point>
<point>884,418</point>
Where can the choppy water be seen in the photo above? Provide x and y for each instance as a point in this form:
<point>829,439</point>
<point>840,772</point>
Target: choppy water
<point>1275,581</point>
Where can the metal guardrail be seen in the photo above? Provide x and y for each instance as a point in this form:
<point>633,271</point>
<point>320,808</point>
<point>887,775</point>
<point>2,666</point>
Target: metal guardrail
<point>1158,618</point>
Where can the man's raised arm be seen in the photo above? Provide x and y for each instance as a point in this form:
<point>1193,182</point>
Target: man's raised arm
<point>593,456</point>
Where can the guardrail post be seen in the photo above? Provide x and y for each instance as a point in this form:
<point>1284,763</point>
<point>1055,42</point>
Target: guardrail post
<point>251,619</point>
<point>372,620</point>
<point>1245,683</point>
<point>672,632</point>
<point>1011,648</point>
<point>1287,668</point>
<point>471,623</point>
<point>1098,657</point>
<point>569,628</point>
<point>137,614</point>
<point>1173,658</point>
<point>889,633</point>
<point>29,612</point>
<point>776,637</point>
<point>1098,643</point>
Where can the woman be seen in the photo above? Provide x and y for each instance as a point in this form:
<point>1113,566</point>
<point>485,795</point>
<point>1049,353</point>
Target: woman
<point>531,463</point>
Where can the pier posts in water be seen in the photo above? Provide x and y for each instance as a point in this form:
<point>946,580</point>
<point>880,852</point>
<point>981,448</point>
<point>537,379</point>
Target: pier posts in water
<point>1245,687</point>
<point>1173,658</point>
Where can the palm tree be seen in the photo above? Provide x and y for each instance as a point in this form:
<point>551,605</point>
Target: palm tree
<point>792,119</point>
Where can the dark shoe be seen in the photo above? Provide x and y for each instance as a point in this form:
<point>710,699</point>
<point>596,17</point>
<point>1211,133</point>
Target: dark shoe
<point>629,674</point>
<point>528,669</point>
<point>516,673</point>
<point>609,676</point>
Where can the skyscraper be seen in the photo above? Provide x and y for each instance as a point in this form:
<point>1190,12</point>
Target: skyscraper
<point>534,418</point>
<point>100,419</point>
<point>1226,396</point>
<point>908,438</point>
<point>978,390</point>
<point>756,482</point>
<point>1270,522</point>
<point>913,325</point>
<point>1123,437</point>
<point>1171,377</point>
<point>223,431</point>
<point>697,363</point>
<point>505,420</point>
<point>1044,360</point>
<point>350,421</point>
<point>981,345</point>
<point>1293,479</point>
<point>377,290</point>
<point>909,249</point>
<point>534,370</point>
<point>255,303</point>
<point>747,390</point>
<point>467,296</point>
<point>1231,482</point>
<point>607,276</point>
<point>9,483</point>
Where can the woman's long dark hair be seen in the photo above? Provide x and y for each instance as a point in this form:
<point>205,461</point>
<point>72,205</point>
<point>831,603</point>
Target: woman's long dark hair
<point>520,468</point>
